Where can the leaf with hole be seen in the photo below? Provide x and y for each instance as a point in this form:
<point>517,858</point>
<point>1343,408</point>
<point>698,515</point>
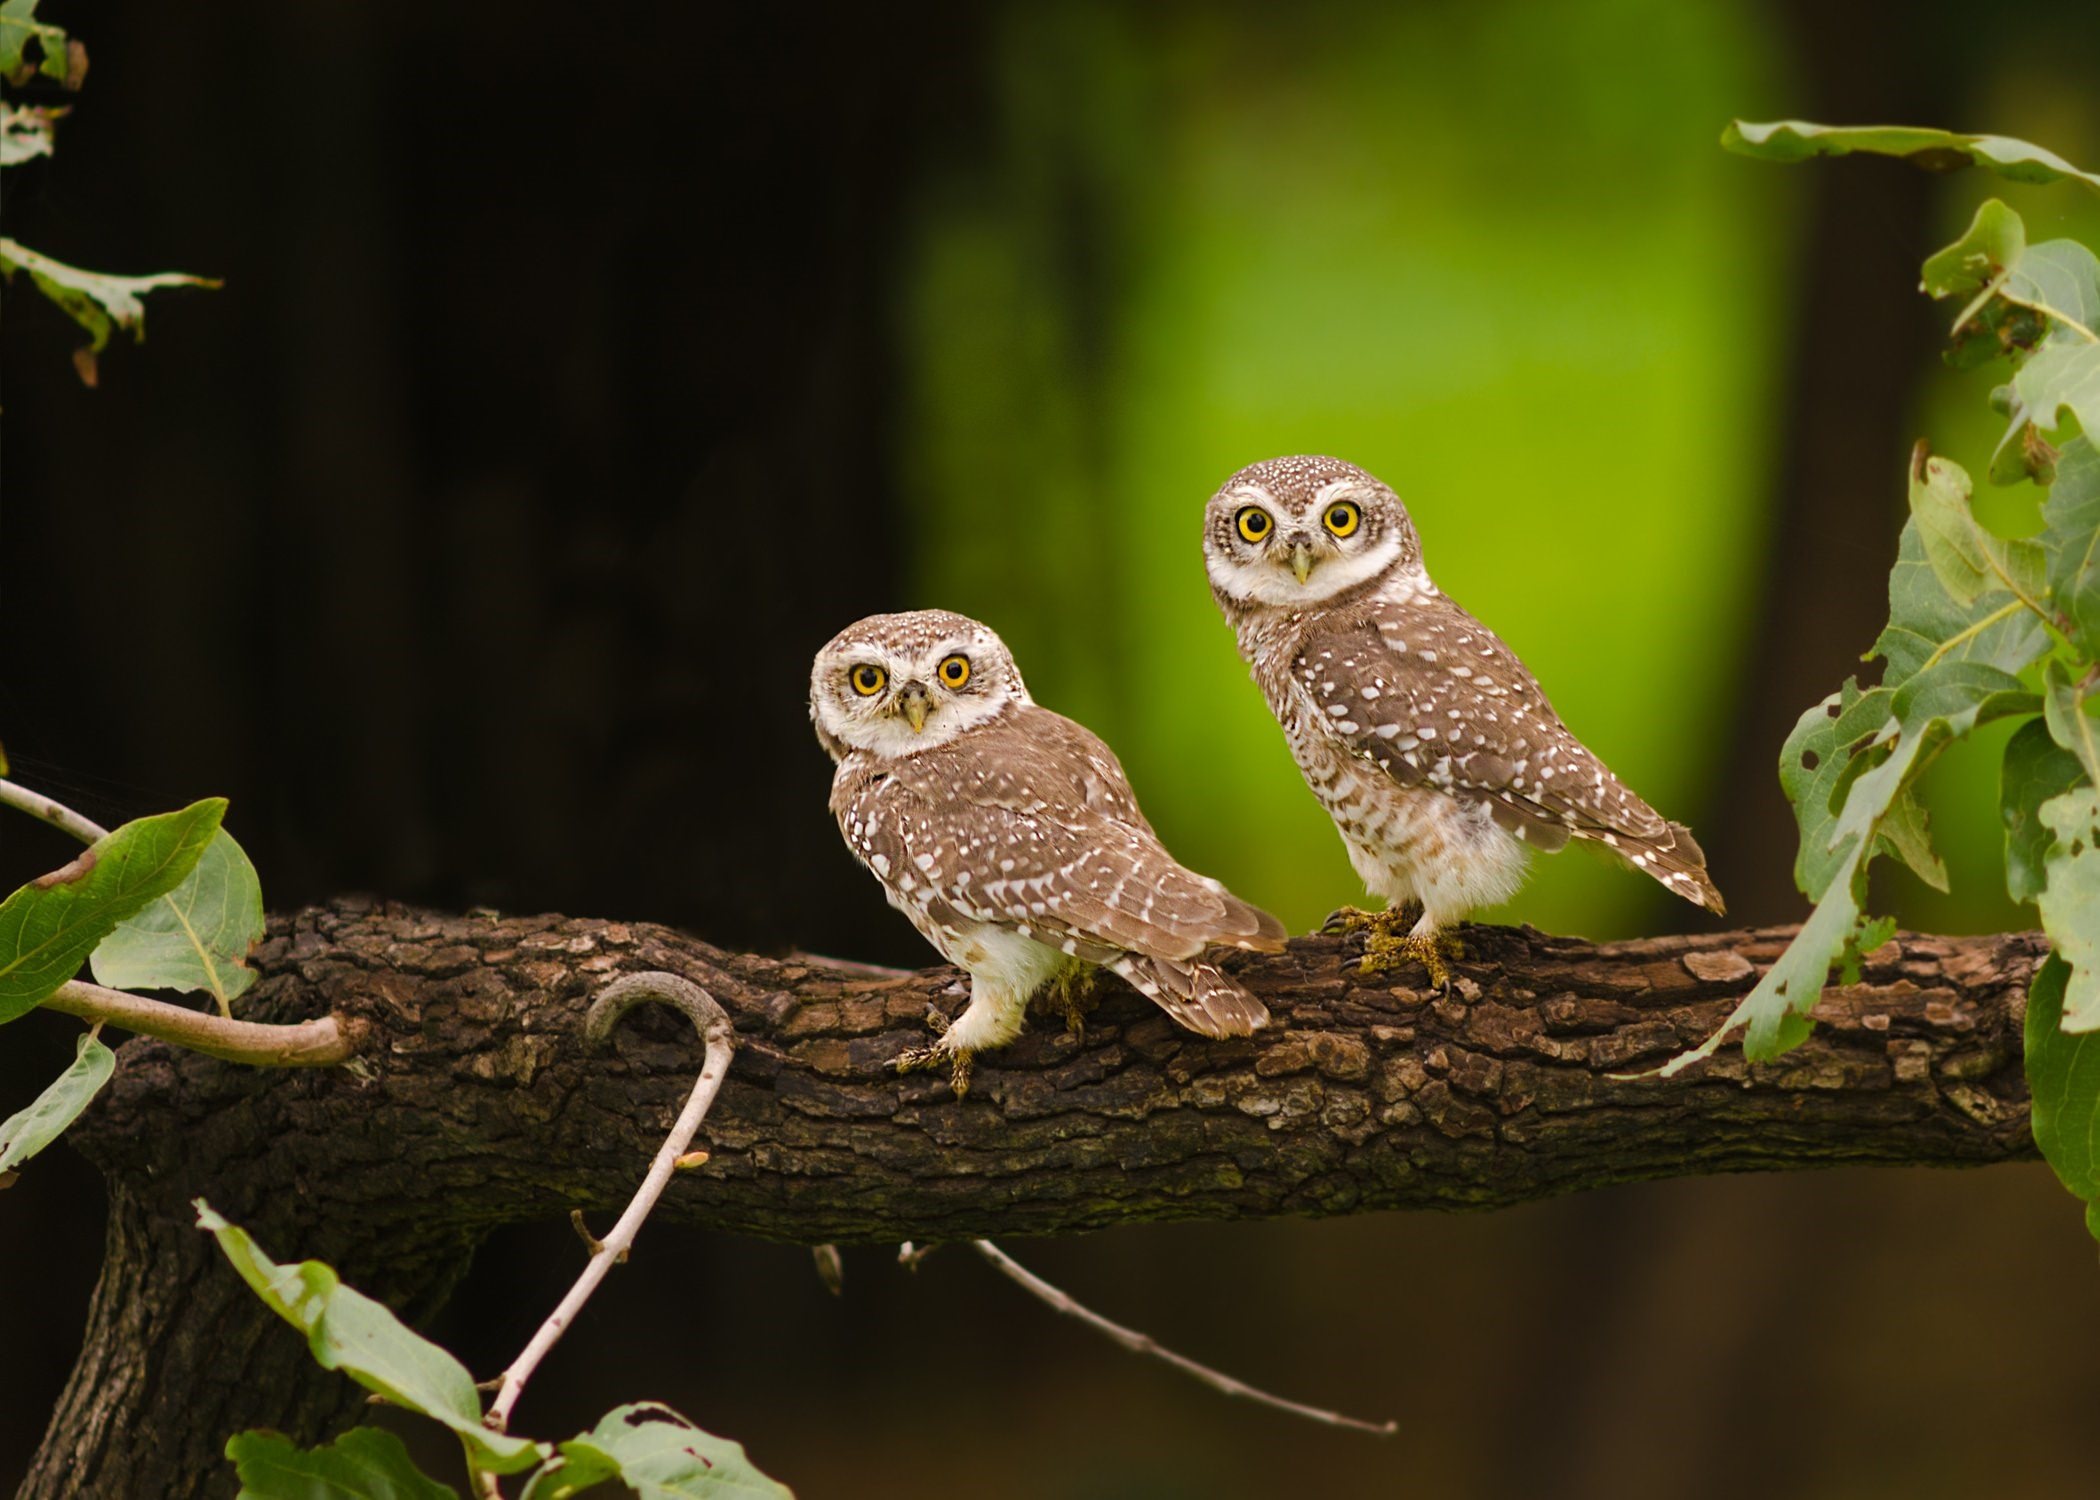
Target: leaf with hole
<point>659,1455</point>
<point>26,132</point>
<point>22,34</point>
<point>2035,769</point>
<point>197,936</point>
<point>48,927</point>
<point>365,1463</point>
<point>350,1332</point>
<point>30,1130</point>
<point>2070,901</point>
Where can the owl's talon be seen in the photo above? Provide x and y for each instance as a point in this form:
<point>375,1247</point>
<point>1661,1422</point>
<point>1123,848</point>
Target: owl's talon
<point>1072,992</point>
<point>1387,951</point>
<point>912,1059</point>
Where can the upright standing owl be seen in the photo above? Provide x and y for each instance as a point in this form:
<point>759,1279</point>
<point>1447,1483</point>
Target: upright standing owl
<point>1427,741</point>
<point>1010,837</point>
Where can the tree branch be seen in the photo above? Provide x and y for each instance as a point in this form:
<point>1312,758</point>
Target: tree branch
<point>473,1100</point>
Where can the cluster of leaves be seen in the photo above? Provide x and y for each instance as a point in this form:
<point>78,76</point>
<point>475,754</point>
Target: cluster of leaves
<point>167,902</point>
<point>35,53</point>
<point>647,1446</point>
<point>172,902</point>
<point>1981,627</point>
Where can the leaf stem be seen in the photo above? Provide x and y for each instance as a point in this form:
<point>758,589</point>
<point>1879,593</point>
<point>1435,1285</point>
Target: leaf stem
<point>719,1035</point>
<point>302,1044</point>
<point>1141,1343</point>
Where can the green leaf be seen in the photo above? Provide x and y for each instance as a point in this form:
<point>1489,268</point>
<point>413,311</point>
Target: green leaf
<point>197,936</point>
<point>2069,724</point>
<point>25,132</point>
<point>19,27</point>
<point>1992,244</point>
<point>2063,1082</point>
<point>2070,902</point>
<point>1959,550</point>
<point>348,1331</point>
<point>50,925</point>
<point>45,1120</point>
<point>659,1455</point>
<point>1906,834</point>
<point>98,303</point>
<point>2072,543</point>
<point>1935,150</point>
<point>2036,768</point>
<point>2060,280</point>
<point>2062,376</point>
<point>365,1463</point>
<point>1927,624</point>
<point>1850,765</point>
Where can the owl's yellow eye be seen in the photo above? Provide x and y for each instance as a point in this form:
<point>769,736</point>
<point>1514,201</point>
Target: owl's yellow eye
<point>1342,518</point>
<point>1254,523</point>
<point>867,679</point>
<point>954,670</point>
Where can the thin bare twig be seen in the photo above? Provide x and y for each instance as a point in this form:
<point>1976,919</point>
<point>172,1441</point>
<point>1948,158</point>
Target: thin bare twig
<point>303,1044</point>
<point>57,814</point>
<point>1141,1343</point>
<point>719,1035</point>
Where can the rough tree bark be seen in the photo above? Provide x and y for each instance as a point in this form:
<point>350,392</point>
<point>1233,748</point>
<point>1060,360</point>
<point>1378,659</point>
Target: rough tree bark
<point>472,1103</point>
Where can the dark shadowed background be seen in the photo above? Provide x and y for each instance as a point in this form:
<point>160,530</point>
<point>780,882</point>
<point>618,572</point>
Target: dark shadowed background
<point>576,377</point>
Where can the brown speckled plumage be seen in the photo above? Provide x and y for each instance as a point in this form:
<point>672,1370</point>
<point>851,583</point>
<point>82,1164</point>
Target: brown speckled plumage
<point>1010,837</point>
<point>1429,743</point>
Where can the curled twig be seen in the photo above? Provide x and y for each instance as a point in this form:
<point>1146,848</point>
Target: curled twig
<point>1141,1343</point>
<point>719,1035</point>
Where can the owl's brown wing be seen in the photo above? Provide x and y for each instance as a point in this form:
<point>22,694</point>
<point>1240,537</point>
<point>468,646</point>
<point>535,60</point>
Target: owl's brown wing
<point>1437,700</point>
<point>1005,825</point>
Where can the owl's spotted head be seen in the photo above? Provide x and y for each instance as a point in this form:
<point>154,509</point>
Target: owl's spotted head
<point>898,684</point>
<point>1292,532</point>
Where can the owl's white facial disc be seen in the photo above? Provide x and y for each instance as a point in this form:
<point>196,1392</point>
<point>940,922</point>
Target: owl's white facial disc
<point>1293,532</point>
<point>894,685</point>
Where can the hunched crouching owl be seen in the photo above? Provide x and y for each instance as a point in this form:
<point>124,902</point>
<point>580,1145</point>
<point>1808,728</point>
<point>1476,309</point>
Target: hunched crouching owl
<point>1430,745</point>
<point>1010,837</point>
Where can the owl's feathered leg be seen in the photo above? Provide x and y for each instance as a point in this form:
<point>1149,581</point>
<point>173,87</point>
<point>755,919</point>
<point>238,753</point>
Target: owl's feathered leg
<point>991,1019</point>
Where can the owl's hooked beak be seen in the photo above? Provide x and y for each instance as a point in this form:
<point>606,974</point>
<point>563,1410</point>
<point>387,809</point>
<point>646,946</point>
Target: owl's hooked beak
<point>1302,558</point>
<point>916,703</point>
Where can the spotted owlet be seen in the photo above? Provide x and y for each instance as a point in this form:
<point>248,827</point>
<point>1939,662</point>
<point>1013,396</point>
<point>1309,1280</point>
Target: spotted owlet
<point>1430,745</point>
<point>1010,836</point>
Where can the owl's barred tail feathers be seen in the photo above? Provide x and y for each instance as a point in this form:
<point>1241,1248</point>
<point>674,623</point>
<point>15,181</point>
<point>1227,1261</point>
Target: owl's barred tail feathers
<point>1193,993</point>
<point>1679,863</point>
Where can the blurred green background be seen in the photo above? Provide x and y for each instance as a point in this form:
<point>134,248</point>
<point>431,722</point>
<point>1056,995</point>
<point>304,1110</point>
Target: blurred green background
<point>1488,252</point>
<point>568,390</point>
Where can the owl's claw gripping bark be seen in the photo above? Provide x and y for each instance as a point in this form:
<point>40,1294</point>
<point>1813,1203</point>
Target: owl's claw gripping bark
<point>1383,952</point>
<point>935,1053</point>
<point>1072,992</point>
<point>933,1056</point>
<point>1389,942</point>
